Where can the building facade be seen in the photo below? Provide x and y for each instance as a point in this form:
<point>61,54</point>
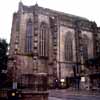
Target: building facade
<point>52,42</point>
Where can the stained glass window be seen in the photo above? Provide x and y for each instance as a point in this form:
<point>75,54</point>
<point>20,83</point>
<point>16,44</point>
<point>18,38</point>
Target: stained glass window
<point>68,47</point>
<point>28,44</point>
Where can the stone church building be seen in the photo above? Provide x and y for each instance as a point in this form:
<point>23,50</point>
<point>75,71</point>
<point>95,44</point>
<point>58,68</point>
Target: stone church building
<point>52,42</point>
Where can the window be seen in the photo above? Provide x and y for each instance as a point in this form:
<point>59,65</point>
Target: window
<point>43,40</point>
<point>17,24</point>
<point>85,46</point>
<point>68,47</point>
<point>28,44</point>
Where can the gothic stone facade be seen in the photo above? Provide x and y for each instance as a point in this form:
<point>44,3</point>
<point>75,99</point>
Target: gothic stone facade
<point>48,41</point>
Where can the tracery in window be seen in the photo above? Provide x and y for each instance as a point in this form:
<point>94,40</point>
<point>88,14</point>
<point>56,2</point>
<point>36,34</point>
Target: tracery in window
<point>43,40</point>
<point>28,41</point>
<point>85,46</point>
<point>17,24</point>
<point>68,47</point>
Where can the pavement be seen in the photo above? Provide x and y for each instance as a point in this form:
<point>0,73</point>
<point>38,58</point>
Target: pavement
<point>65,94</point>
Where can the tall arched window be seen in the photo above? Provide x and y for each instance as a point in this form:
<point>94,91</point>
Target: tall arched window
<point>43,40</point>
<point>28,44</point>
<point>17,23</point>
<point>68,47</point>
<point>85,46</point>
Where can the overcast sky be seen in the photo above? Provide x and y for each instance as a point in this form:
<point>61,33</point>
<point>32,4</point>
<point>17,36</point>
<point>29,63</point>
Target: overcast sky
<point>89,9</point>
